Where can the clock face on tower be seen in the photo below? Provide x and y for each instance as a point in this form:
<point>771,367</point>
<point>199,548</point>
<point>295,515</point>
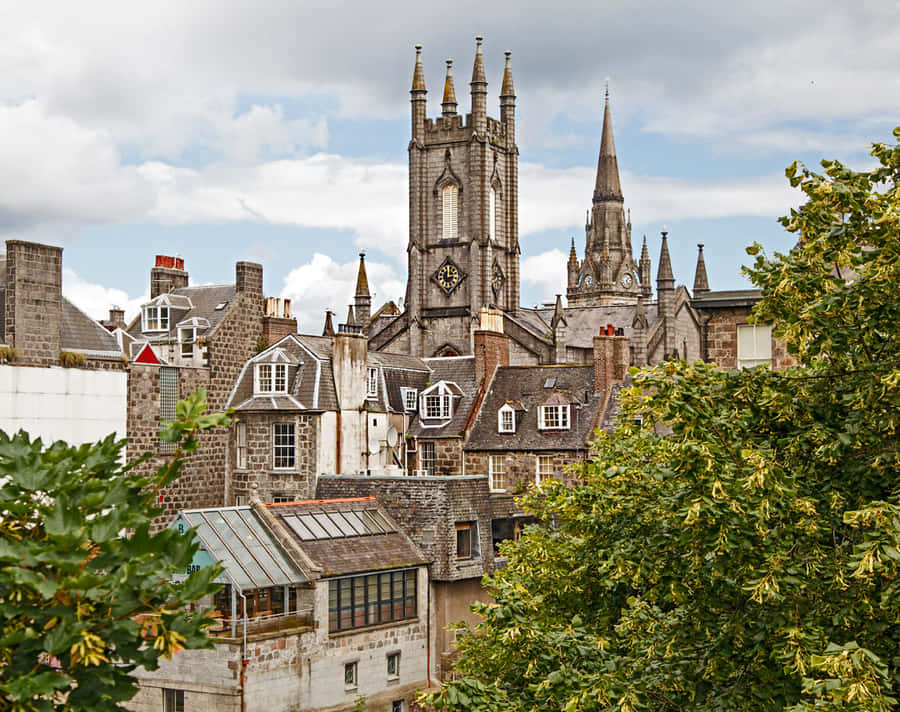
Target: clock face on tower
<point>448,276</point>
<point>588,281</point>
<point>627,280</point>
<point>496,279</point>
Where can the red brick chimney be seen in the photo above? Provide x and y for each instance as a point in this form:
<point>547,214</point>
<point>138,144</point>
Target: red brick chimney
<point>491,346</point>
<point>612,355</point>
<point>167,275</point>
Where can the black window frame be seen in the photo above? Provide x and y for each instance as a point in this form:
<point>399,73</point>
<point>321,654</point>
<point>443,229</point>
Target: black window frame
<point>367,600</point>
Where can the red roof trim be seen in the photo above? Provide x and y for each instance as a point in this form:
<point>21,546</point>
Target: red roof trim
<point>321,501</point>
<point>147,356</point>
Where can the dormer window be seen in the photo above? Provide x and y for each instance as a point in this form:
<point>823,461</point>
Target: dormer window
<point>437,405</point>
<point>553,417</point>
<point>271,378</point>
<point>506,419</point>
<point>155,318</point>
<point>437,401</point>
<point>372,383</point>
<point>410,398</point>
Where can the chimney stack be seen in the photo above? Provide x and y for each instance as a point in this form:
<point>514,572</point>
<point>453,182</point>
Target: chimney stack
<point>491,346</point>
<point>612,354</point>
<point>167,275</point>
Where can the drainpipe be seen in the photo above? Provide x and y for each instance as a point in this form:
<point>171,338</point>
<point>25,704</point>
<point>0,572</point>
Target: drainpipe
<point>244,659</point>
<point>428,628</point>
<point>337,464</point>
<point>366,444</point>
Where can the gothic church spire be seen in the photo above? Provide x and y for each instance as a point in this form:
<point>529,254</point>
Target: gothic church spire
<point>607,186</point>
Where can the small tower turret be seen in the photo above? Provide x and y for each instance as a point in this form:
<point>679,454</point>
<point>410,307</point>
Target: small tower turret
<point>665,295</point>
<point>448,105</point>
<point>645,270</point>
<point>701,282</point>
<point>328,329</point>
<point>478,88</point>
<point>351,318</point>
<point>559,326</point>
<point>572,266</point>
<point>417,97</point>
<point>362,298</point>
<point>508,100</point>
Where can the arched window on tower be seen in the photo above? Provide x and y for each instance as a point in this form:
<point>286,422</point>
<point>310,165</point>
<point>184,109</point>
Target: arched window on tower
<point>493,215</point>
<point>449,211</point>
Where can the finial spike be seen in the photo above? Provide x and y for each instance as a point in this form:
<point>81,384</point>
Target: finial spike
<point>418,82</point>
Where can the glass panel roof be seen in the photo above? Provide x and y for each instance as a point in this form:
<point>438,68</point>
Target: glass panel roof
<point>345,526</point>
<point>250,554</point>
<point>337,525</point>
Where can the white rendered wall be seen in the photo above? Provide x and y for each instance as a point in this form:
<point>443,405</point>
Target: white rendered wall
<point>70,404</point>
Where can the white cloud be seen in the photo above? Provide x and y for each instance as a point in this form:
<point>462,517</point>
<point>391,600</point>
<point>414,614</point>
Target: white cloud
<point>95,299</point>
<point>54,171</point>
<point>553,198</point>
<point>322,284</point>
<point>323,190</point>
<point>544,274</point>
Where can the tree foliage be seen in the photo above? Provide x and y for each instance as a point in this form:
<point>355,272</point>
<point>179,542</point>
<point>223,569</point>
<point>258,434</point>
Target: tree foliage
<point>740,549</point>
<point>86,593</point>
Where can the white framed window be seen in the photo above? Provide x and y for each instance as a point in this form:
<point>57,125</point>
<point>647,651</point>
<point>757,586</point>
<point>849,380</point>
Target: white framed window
<point>372,383</point>
<point>350,673</point>
<point>155,318</point>
<point>506,419</point>
<point>449,211</point>
<point>283,446</point>
<point>437,405</point>
<point>186,337</point>
<point>553,417</point>
<point>497,473</point>
<point>544,468</point>
<point>754,345</point>
<point>393,665</point>
<point>410,398</point>
<point>492,210</point>
<point>271,378</point>
<point>240,440</point>
<point>426,457</point>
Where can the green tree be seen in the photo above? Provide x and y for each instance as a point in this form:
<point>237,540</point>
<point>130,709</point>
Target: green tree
<point>739,550</point>
<point>86,593</point>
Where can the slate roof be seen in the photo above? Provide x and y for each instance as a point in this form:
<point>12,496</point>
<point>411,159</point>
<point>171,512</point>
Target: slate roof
<point>727,298</point>
<point>526,388</point>
<point>203,303</point>
<point>461,371</point>
<point>311,381</point>
<point>351,554</point>
<point>584,323</point>
<point>78,332</point>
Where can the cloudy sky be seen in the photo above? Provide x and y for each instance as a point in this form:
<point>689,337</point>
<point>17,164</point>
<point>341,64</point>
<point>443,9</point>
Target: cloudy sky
<point>276,131</point>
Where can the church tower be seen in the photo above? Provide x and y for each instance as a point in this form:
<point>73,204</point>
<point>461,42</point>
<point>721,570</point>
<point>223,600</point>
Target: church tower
<point>608,274</point>
<point>463,249</point>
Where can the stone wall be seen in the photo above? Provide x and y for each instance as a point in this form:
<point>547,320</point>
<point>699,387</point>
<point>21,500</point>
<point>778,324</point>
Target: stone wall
<point>521,466</point>
<point>202,480</point>
<point>428,509</point>
<point>448,456</point>
<point>721,339</point>
<point>297,669</point>
<point>33,304</point>
<point>297,482</point>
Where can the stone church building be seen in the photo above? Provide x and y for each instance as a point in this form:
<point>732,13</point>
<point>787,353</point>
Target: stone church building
<point>464,249</point>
